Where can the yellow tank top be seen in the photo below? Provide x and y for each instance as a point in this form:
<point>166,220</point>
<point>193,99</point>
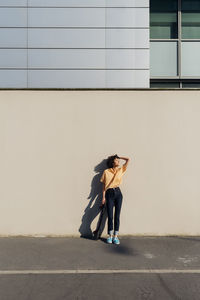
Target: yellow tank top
<point>108,175</point>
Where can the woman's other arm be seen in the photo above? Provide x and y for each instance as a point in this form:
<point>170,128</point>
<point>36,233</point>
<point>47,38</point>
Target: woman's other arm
<point>127,159</point>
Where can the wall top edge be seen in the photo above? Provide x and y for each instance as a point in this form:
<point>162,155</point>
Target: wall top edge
<point>98,89</point>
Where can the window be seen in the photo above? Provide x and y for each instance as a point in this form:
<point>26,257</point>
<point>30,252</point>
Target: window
<point>163,60</point>
<point>190,19</point>
<point>174,43</point>
<point>164,85</point>
<point>163,19</point>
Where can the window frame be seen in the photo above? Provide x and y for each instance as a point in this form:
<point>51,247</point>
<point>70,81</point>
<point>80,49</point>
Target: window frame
<point>179,78</point>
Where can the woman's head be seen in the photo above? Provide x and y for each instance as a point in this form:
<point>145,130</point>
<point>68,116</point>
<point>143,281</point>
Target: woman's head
<point>112,161</point>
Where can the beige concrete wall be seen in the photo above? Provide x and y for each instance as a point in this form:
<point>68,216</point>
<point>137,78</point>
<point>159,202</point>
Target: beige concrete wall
<point>53,145</point>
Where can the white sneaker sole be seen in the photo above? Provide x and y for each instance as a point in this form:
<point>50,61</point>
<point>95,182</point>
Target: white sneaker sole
<point>109,242</point>
<point>116,243</point>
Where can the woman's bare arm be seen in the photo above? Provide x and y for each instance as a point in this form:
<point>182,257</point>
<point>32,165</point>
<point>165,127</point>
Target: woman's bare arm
<point>104,192</point>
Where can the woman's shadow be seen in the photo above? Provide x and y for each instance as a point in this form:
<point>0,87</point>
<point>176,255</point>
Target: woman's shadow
<point>93,210</point>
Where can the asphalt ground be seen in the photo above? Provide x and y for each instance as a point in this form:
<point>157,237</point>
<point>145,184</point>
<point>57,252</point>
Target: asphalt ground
<point>56,268</point>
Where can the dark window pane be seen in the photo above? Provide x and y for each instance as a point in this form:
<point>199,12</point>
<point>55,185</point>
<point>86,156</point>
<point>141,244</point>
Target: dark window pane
<point>164,85</point>
<point>190,5</point>
<point>191,25</point>
<point>163,19</point>
<point>164,5</point>
<point>190,19</point>
<point>191,84</point>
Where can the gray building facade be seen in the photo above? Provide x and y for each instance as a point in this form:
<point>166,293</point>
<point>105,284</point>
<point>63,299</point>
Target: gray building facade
<point>74,44</point>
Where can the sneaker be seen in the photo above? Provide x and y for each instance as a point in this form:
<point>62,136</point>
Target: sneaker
<point>109,240</point>
<point>116,240</point>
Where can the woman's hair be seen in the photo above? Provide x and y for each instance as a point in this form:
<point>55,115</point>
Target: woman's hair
<point>110,160</point>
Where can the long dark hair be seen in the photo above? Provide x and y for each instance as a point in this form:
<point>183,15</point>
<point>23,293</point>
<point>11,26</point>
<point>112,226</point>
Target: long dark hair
<point>110,160</point>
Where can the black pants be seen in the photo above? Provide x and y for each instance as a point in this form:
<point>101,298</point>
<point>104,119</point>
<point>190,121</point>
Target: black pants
<point>113,199</point>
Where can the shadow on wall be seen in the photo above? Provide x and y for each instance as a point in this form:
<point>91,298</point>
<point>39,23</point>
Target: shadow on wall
<point>92,211</point>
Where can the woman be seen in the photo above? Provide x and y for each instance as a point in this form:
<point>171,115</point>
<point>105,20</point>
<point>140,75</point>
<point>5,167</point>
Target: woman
<point>112,196</point>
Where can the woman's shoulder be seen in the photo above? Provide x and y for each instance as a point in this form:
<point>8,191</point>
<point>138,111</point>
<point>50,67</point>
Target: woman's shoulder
<point>107,170</point>
<point>111,170</point>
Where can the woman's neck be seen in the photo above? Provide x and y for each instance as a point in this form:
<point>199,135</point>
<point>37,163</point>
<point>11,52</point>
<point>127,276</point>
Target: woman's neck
<point>115,168</point>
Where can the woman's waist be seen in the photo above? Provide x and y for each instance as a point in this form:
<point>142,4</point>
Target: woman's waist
<point>114,188</point>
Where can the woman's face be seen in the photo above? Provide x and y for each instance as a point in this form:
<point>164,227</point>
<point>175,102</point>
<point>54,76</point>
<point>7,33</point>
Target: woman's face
<point>116,162</point>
